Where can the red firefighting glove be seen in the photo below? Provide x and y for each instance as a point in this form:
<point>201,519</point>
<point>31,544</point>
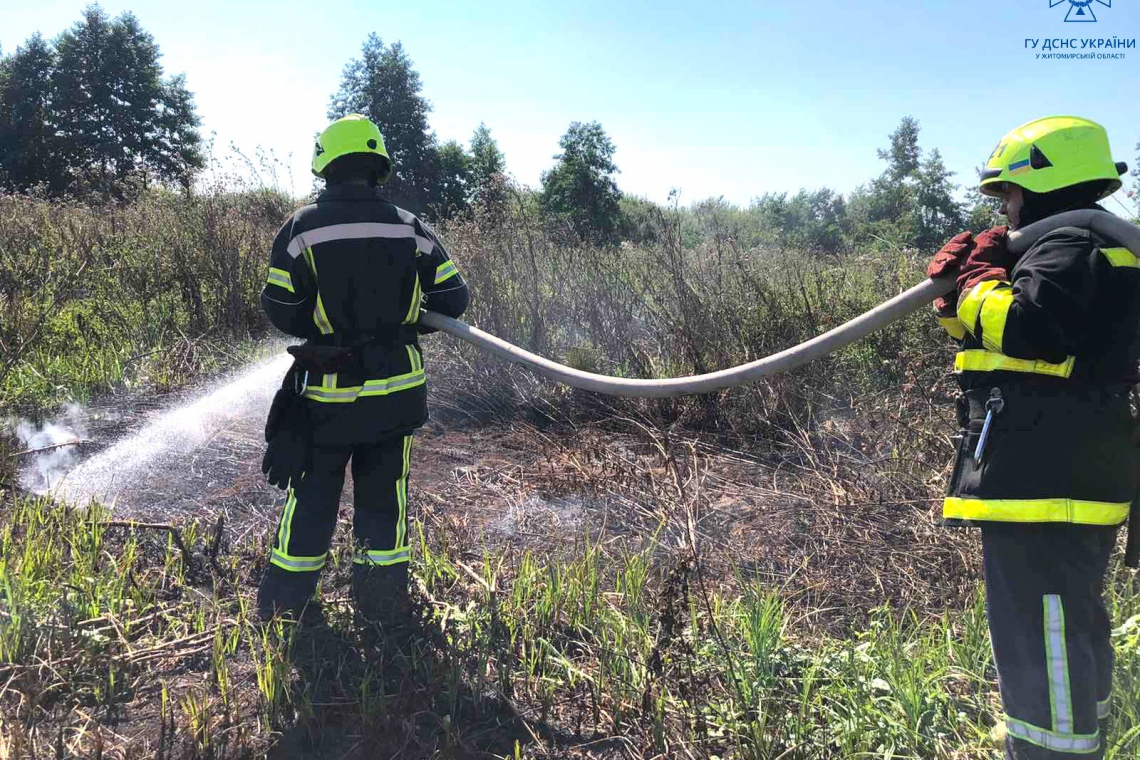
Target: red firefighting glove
<point>988,261</point>
<point>947,262</point>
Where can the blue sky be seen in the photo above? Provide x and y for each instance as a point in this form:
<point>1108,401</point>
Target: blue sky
<point>731,98</point>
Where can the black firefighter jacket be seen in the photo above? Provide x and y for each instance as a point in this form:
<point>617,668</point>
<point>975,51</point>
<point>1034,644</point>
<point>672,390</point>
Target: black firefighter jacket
<point>1053,353</point>
<point>353,269</point>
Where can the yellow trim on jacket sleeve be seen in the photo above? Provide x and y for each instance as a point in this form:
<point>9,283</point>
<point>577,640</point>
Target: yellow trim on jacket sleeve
<point>1121,257</point>
<point>970,304</point>
<point>1077,511</point>
<point>953,326</point>
<point>445,271</point>
<point>979,360</point>
<point>995,309</point>
<point>280,278</point>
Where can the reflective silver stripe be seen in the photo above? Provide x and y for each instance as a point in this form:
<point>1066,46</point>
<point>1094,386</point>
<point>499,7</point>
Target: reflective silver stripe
<point>285,527</point>
<point>370,388</point>
<point>1057,665</point>
<point>319,393</point>
<point>357,231</point>
<point>1103,708</point>
<point>283,281</point>
<point>382,557</point>
<point>402,496</point>
<point>297,564</point>
<point>382,387</point>
<point>445,271</point>
<point>1076,744</point>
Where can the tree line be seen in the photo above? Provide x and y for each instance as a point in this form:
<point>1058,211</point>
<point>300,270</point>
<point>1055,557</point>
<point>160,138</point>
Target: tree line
<point>92,112</point>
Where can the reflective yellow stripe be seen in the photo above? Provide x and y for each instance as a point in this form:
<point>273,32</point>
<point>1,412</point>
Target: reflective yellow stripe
<point>297,564</point>
<point>1121,257</point>
<point>379,387</point>
<point>392,557</point>
<point>978,360</point>
<point>417,362</point>
<point>320,318</point>
<point>286,526</point>
<point>1037,510</point>
<point>445,271</point>
<point>280,277</point>
<point>402,496</point>
<point>1057,665</point>
<point>995,309</point>
<point>971,304</point>
<point>1073,744</point>
<point>954,326</point>
<point>414,307</point>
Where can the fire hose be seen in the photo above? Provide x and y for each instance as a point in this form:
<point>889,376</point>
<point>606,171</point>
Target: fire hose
<point>905,303</point>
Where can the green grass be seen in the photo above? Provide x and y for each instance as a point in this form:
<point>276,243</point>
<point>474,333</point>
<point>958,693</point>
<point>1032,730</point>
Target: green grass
<point>137,642</point>
<point>100,620</point>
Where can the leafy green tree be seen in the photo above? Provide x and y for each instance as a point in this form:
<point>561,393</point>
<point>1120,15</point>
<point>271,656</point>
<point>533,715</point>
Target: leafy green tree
<point>939,215</point>
<point>488,167</point>
<point>912,203</point>
<point>903,155</point>
<point>383,86</point>
<point>29,148</point>
<point>813,220</point>
<point>983,210</point>
<point>116,117</point>
<point>581,188</point>
<point>451,184</point>
<point>640,220</point>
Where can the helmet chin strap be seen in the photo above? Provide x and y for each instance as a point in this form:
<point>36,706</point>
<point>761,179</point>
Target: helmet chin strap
<point>1101,222</point>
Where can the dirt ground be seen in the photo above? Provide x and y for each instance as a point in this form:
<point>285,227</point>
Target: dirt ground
<point>829,541</point>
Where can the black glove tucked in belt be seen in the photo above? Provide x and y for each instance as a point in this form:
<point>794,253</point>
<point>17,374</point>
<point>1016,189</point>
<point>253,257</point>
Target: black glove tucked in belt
<point>289,435</point>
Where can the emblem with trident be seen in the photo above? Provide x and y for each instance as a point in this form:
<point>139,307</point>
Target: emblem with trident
<point>1080,11</point>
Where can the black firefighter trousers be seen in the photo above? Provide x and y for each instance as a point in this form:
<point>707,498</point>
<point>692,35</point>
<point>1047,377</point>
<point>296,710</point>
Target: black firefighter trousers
<point>379,524</point>
<point>1050,633</point>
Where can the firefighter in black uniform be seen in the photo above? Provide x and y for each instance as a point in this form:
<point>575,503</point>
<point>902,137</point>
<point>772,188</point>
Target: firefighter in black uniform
<point>349,273</point>
<point>1046,462</point>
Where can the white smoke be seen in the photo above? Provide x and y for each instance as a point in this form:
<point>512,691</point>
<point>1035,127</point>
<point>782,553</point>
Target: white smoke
<point>44,469</point>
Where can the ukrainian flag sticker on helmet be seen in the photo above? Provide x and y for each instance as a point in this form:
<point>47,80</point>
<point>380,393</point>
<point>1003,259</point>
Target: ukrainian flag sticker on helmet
<point>1019,167</point>
<point>1052,153</point>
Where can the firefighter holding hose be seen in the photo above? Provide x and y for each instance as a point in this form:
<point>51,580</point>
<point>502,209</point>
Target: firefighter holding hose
<point>349,273</point>
<point>1047,459</point>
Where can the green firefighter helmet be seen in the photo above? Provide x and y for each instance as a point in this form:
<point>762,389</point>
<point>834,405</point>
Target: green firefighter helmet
<point>348,135</point>
<point>1051,153</point>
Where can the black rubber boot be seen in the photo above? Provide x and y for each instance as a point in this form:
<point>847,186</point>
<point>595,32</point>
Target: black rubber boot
<point>286,594</point>
<point>381,595</point>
